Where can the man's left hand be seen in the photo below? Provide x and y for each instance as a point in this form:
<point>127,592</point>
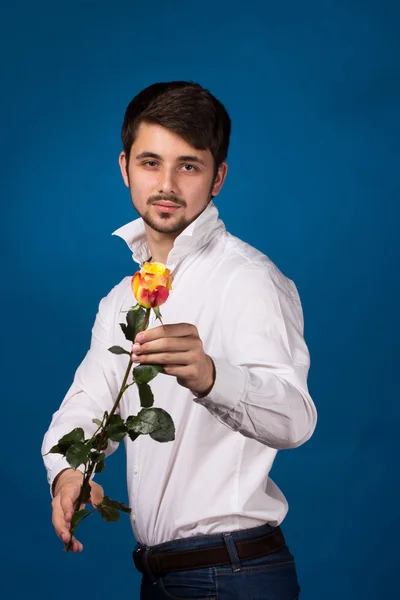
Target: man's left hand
<point>179,349</point>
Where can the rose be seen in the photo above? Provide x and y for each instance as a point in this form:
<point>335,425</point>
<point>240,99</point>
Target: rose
<point>151,285</point>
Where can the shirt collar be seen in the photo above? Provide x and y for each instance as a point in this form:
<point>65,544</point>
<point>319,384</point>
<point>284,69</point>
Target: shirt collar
<point>196,235</point>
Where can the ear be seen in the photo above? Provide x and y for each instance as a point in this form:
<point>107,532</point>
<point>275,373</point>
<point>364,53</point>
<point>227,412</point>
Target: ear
<point>124,168</point>
<point>220,178</point>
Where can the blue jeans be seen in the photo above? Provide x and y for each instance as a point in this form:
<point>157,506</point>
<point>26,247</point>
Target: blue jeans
<point>270,577</point>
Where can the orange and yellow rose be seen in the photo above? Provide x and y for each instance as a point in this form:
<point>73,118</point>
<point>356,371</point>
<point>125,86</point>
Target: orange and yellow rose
<point>152,284</point>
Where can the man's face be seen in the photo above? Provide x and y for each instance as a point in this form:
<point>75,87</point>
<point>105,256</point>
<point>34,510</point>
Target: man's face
<point>170,182</point>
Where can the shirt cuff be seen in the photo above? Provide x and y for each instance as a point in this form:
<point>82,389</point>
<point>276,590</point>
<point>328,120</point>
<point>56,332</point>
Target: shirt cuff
<point>228,389</point>
<point>59,466</point>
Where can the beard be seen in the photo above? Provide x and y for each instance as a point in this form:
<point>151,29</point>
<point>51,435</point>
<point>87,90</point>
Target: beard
<point>169,223</point>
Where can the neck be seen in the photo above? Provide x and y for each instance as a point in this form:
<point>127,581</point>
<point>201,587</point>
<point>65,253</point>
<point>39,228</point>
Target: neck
<point>160,244</point>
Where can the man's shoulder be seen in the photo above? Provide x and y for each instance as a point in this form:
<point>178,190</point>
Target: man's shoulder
<point>244,251</point>
<point>240,257</point>
<point>243,255</point>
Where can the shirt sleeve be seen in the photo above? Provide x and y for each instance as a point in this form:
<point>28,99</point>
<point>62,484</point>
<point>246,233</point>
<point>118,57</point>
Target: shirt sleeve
<point>92,392</point>
<point>260,388</point>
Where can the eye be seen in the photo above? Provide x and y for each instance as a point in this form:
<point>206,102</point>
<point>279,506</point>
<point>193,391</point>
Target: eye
<point>150,163</point>
<point>191,168</point>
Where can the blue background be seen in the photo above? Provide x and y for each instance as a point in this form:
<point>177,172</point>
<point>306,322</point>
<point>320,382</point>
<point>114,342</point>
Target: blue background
<point>313,92</point>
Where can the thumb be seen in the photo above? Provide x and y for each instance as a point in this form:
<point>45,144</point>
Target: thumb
<point>96,495</point>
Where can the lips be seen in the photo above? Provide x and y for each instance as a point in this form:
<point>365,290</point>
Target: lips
<point>166,207</point>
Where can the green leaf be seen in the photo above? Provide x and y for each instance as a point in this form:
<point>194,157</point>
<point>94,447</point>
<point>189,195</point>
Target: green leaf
<point>166,431</point>
<point>139,320</point>
<point>77,454</point>
<point>145,373</point>
<point>77,518</point>
<point>97,422</point>
<point>115,420</point>
<point>100,466</point>
<point>146,395</point>
<point>118,505</point>
<point>127,333</point>
<point>76,435</point>
<point>164,435</point>
<point>116,430</point>
<point>145,422</point>
<point>153,421</point>
<point>96,456</point>
<point>54,450</point>
<point>133,435</point>
<point>118,350</point>
<point>109,513</point>
<point>134,323</point>
<point>131,424</point>
<point>91,443</point>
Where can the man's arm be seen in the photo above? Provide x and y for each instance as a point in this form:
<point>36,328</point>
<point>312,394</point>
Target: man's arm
<point>93,391</point>
<point>260,387</point>
<point>259,384</point>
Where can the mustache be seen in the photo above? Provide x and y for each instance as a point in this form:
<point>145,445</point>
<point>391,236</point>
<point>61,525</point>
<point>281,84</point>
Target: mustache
<point>159,198</point>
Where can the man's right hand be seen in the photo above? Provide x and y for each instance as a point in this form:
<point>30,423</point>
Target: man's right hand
<point>66,488</point>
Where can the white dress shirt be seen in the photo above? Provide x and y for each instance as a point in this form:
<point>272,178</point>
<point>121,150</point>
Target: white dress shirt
<point>214,477</point>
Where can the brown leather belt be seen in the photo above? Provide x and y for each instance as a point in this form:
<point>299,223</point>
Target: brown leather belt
<point>159,563</point>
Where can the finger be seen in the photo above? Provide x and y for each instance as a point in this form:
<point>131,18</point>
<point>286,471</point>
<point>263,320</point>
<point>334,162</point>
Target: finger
<point>72,545</point>
<point>186,373</point>
<point>96,496</point>
<point>175,370</point>
<point>168,344</point>
<point>67,505</point>
<point>167,358</point>
<point>60,524</point>
<point>172,330</point>
<point>76,546</point>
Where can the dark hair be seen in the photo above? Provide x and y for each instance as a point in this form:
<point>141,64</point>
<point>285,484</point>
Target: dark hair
<point>185,108</point>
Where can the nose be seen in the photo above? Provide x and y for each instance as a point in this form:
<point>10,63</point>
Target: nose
<point>167,183</point>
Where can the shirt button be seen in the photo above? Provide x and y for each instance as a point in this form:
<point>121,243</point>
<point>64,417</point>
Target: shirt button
<point>135,469</point>
<point>134,518</point>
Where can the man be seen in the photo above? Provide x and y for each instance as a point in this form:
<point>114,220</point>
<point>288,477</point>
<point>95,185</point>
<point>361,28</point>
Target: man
<point>205,513</point>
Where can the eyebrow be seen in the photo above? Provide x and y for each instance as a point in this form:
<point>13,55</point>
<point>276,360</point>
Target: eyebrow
<point>186,157</point>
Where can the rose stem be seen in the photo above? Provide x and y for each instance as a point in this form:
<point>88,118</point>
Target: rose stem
<point>90,470</point>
